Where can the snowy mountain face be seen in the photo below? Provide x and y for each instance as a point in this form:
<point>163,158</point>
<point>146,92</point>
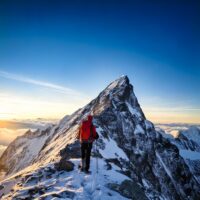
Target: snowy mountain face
<point>188,143</point>
<point>23,150</point>
<point>130,160</point>
<point>189,139</point>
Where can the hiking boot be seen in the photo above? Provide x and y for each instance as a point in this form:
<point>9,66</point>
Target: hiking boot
<point>87,172</point>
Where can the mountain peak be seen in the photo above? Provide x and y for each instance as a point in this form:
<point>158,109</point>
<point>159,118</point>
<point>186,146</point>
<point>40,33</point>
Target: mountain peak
<point>121,81</point>
<point>120,87</point>
<point>123,78</point>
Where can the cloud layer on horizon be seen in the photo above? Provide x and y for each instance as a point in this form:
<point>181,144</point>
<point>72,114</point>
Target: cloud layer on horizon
<point>9,130</point>
<point>174,128</point>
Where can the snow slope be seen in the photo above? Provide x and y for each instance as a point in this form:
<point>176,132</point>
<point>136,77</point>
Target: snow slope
<point>68,185</point>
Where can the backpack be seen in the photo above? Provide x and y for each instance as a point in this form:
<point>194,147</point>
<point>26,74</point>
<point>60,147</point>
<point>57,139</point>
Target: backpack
<point>88,132</point>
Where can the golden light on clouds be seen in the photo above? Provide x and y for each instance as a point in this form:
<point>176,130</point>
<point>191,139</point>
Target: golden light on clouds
<point>8,135</point>
<point>167,115</point>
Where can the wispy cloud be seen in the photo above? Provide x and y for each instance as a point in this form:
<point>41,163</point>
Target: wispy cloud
<point>49,105</point>
<point>45,84</point>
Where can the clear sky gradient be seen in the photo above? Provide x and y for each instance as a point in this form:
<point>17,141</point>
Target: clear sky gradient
<point>55,56</point>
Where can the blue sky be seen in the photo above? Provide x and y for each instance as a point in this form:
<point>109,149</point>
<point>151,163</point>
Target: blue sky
<point>58,55</point>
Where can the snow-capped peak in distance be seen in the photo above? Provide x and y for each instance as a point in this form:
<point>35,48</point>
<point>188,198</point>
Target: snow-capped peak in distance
<point>134,160</point>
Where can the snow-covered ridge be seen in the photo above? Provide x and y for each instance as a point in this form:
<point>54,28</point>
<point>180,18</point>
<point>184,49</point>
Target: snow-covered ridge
<point>142,163</point>
<point>24,149</point>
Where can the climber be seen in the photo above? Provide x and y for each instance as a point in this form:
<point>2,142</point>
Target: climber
<point>87,135</point>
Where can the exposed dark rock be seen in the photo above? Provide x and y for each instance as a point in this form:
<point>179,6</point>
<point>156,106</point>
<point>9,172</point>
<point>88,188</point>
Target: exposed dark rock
<point>71,151</point>
<point>64,194</point>
<point>114,161</point>
<point>37,190</point>
<point>56,195</point>
<point>65,165</point>
<point>129,190</point>
<point>31,178</point>
<point>108,166</point>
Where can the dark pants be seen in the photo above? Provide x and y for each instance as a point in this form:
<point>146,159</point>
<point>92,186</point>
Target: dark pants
<point>85,154</point>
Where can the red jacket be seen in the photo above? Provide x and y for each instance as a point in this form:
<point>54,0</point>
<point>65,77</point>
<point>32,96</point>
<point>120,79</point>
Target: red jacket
<point>87,131</point>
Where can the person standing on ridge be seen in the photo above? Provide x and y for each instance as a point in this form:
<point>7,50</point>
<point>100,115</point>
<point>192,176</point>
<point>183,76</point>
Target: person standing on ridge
<point>87,135</point>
